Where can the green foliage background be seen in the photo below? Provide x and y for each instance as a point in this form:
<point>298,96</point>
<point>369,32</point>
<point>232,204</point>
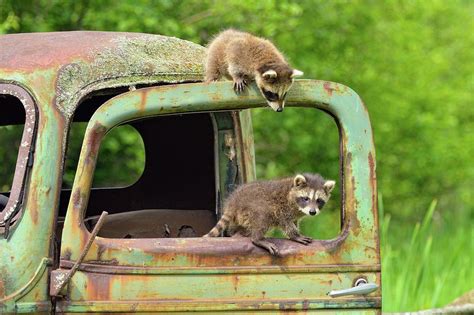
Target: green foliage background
<point>412,62</point>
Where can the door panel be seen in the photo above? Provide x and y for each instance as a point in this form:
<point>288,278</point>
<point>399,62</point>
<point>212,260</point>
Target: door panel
<point>227,273</point>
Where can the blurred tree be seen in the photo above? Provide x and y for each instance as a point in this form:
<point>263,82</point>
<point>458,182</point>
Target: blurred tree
<point>410,61</point>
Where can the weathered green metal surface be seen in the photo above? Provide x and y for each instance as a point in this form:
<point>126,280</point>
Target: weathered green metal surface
<point>152,269</point>
<point>178,292</point>
<point>246,142</point>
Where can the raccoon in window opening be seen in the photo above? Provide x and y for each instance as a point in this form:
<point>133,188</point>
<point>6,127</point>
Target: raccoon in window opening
<point>253,208</point>
<point>243,57</point>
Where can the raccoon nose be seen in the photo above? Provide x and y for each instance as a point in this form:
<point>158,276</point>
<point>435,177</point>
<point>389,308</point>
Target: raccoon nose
<point>279,109</point>
<point>312,211</point>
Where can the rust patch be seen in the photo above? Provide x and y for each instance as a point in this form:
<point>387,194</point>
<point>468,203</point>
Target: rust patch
<point>98,287</point>
<point>373,182</point>
<point>67,254</point>
<point>111,262</point>
<point>143,97</point>
<point>218,252</point>
<point>354,200</point>
<point>373,186</point>
<point>34,203</point>
<point>350,200</point>
<point>31,52</point>
<point>287,306</point>
<point>354,221</point>
<point>332,87</point>
<point>76,198</point>
<point>98,132</point>
<point>235,282</point>
<point>34,215</point>
<point>2,289</point>
<point>355,225</point>
<point>100,251</point>
<point>328,88</point>
<point>305,305</point>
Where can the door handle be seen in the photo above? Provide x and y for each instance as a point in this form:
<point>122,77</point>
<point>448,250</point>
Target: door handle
<point>361,287</point>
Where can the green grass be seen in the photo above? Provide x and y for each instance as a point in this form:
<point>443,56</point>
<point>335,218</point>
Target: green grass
<point>427,264</point>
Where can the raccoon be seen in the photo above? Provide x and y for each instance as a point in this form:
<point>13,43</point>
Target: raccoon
<point>255,207</point>
<point>243,57</point>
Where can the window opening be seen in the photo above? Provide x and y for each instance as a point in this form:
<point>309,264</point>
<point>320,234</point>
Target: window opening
<point>154,176</point>
<point>17,129</point>
<point>11,131</point>
<point>286,145</point>
<point>122,152</point>
<point>175,195</point>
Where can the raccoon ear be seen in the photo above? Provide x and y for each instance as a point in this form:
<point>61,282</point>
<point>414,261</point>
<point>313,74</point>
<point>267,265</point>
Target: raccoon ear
<point>269,74</point>
<point>329,185</point>
<point>296,73</point>
<point>299,181</point>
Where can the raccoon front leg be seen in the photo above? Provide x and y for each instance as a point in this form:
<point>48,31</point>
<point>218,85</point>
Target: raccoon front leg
<point>259,240</point>
<point>212,69</point>
<point>239,78</point>
<point>212,74</point>
<point>294,234</point>
<point>239,83</point>
<point>262,242</point>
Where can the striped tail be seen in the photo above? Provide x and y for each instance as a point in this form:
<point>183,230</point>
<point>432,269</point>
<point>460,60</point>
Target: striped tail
<point>221,225</point>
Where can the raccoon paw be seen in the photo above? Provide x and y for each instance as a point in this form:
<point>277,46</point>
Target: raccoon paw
<point>272,249</point>
<point>239,85</point>
<point>303,240</point>
<point>269,246</point>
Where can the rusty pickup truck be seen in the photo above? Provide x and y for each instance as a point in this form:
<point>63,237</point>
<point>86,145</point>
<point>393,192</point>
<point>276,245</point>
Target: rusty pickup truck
<point>59,252</point>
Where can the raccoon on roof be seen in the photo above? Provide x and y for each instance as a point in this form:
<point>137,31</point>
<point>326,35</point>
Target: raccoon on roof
<point>243,57</point>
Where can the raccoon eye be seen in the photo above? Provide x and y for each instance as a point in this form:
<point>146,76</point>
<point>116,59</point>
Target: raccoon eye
<point>306,199</point>
<point>320,202</point>
<point>272,97</point>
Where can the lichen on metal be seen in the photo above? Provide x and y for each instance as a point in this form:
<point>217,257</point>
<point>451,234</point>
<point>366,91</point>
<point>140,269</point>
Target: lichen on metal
<point>147,58</point>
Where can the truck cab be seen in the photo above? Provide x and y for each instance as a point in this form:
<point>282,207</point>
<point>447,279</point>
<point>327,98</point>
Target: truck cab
<point>60,253</point>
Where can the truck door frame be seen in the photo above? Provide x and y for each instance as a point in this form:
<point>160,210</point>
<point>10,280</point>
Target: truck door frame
<point>354,252</point>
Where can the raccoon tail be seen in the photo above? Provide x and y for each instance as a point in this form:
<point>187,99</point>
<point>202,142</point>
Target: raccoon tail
<point>221,225</point>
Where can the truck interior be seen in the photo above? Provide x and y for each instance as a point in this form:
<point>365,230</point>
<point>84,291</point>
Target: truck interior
<point>175,196</point>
